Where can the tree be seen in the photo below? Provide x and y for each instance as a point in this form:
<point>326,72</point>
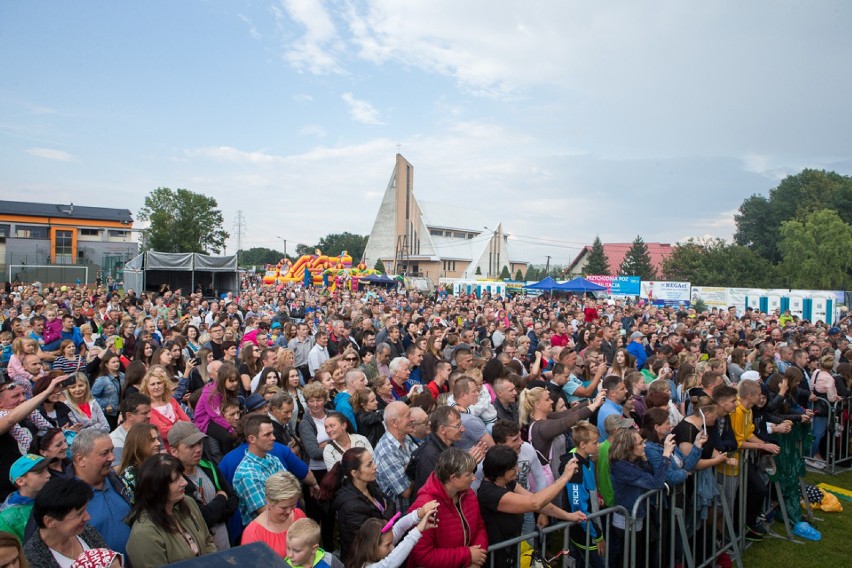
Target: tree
<point>597,263</point>
<point>817,252</point>
<point>335,243</point>
<point>519,275</point>
<point>556,271</point>
<point>380,266</point>
<point>259,256</point>
<point>182,221</point>
<point>505,274</point>
<point>478,271</point>
<point>685,263</point>
<point>759,218</point>
<point>718,263</point>
<point>532,273</point>
<point>637,261</point>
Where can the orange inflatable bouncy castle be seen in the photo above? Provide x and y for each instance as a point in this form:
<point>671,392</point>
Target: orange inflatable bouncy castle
<point>318,270</point>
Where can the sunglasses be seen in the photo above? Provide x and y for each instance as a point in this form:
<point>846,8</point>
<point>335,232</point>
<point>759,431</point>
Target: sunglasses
<point>350,358</point>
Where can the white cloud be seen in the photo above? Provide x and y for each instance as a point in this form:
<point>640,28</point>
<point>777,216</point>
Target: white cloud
<point>229,154</point>
<point>317,49</point>
<point>361,111</point>
<point>50,154</point>
<point>302,98</point>
<point>313,130</point>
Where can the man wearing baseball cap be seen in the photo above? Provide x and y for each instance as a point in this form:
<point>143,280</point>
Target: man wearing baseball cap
<point>205,483</point>
<point>28,474</point>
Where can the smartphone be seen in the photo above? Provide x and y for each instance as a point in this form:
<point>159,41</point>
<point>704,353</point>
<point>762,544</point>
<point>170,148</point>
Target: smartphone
<point>194,361</point>
<point>69,381</point>
<point>119,343</point>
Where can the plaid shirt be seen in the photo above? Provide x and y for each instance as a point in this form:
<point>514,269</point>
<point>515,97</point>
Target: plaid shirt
<point>391,459</point>
<point>250,482</point>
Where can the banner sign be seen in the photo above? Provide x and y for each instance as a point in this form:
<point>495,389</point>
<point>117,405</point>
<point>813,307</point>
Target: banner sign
<point>617,285</point>
<point>662,293</point>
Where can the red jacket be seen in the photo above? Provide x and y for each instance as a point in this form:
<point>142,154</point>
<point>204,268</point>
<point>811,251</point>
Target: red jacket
<point>450,549</point>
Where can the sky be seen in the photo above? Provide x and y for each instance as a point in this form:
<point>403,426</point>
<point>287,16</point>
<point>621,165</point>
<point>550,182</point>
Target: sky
<point>561,119</point>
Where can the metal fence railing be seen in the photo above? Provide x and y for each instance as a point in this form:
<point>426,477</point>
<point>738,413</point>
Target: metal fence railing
<point>696,524</point>
<point>831,436</point>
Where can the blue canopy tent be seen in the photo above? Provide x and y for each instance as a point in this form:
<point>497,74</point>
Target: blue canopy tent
<point>579,285</point>
<point>378,279</point>
<point>546,285</point>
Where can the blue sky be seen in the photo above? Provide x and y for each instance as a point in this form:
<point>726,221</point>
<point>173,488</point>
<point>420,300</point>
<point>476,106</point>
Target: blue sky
<point>561,119</point>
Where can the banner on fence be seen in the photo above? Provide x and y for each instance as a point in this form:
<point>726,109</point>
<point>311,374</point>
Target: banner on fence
<point>618,285</point>
<point>664,293</point>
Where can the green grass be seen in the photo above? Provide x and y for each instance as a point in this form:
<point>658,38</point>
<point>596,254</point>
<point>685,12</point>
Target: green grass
<point>832,550</point>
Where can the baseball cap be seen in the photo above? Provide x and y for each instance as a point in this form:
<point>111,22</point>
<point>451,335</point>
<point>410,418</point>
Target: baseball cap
<point>26,464</point>
<point>834,331</point>
<point>185,433</point>
<point>636,335</point>
<point>618,422</point>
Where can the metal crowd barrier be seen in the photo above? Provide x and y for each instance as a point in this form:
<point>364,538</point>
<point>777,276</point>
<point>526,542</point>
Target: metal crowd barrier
<point>692,525</point>
<point>838,455</point>
<point>571,554</point>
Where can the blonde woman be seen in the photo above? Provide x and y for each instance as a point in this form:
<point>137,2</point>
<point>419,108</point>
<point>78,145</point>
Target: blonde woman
<point>283,491</point>
<point>165,410</point>
<point>85,410</point>
<point>544,428</point>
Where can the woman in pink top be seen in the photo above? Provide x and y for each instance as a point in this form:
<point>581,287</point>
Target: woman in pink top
<point>825,390</point>
<point>214,395</point>
<point>282,494</point>
<point>165,410</point>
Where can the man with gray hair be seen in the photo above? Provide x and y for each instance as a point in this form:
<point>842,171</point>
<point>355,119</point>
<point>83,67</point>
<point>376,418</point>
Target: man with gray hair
<point>91,462</point>
<point>356,381</point>
<point>392,454</point>
<point>379,365</point>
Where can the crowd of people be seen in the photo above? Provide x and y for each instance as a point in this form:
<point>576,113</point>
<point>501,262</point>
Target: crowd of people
<point>383,427</point>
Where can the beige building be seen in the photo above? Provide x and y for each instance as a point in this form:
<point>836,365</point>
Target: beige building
<point>433,240</point>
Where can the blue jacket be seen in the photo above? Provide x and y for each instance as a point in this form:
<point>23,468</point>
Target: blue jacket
<point>638,351</point>
<point>680,468</point>
<point>631,479</point>
<point>106,391</point>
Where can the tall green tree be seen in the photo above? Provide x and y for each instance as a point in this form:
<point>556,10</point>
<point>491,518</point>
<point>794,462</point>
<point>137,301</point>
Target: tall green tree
<point>533,273</point>
<point>685,263</point>
<point>182,221</point>
<point>817,252</point>
<point>597,263</point>
<point>519,275</point>
<point>259,256</point>
<point>637,261</point>
<point>759,218</point>
<point>718,263</point>
<point>380,266</point>
<point>505,274</point>
<point>335,243</point>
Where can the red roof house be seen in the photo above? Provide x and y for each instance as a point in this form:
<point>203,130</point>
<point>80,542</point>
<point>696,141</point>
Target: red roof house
<point>615,253</point>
